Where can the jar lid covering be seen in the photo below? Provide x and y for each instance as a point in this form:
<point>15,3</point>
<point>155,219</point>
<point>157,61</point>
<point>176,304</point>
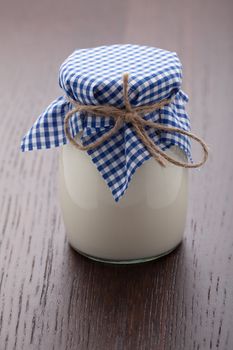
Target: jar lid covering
<point>94,77</point>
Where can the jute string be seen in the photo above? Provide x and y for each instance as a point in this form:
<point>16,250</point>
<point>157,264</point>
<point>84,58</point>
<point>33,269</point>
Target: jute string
<point>133,115</point>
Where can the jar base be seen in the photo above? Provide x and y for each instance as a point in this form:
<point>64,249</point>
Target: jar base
<point>125,262</point>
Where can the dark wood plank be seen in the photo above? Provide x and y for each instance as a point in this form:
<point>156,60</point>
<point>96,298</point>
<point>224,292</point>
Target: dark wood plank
<point>53,298</point>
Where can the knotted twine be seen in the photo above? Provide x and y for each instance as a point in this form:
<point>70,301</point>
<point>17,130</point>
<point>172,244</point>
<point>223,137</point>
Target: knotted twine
<point>134,116</point>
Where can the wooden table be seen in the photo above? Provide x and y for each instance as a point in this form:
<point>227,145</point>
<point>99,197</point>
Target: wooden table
<point>53,298</point>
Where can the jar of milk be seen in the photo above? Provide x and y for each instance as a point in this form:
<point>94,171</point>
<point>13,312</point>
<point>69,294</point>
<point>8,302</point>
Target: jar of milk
<point>124,138</point>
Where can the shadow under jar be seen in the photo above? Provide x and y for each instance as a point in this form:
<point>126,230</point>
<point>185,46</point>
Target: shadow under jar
<point>148,221</point>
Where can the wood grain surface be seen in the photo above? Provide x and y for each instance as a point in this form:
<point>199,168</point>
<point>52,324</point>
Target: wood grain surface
<point>53,298</point>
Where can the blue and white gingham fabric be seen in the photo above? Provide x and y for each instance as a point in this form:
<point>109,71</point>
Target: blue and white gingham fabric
<point>94,76</point>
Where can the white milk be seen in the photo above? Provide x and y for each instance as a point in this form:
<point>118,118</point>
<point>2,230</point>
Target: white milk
<point>146,223</point>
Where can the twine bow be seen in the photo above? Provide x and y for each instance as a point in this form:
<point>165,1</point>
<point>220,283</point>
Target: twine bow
<point>134,115</point>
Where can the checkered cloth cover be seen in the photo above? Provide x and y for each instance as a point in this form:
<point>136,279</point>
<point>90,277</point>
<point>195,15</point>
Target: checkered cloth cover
<point>94,76</point>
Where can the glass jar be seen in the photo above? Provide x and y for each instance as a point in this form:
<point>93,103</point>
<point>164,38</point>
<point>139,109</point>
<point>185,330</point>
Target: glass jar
<point>148,221</point>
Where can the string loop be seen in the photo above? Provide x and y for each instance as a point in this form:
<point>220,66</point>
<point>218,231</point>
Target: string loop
<point>133,115</point>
